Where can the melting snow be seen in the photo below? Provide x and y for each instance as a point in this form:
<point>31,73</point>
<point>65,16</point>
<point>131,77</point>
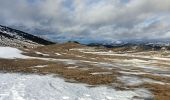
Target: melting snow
<point>101,73</point>
<point>72,67</point>
<point>41,66</point>
<point>11,53</point>
<point>35,87</point>
<point>134,80</point>
<point>58,54</point>
<point>42,54</point>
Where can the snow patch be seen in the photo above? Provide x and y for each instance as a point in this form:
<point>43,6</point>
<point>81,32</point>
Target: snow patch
<point>72,67</point>
<point>101,73</point>
<point>39,53</point>
<point>134,80</point>
<point>11,53</point>
<point>58,54</point>
<point>41,66</point>
<point>35,87</point>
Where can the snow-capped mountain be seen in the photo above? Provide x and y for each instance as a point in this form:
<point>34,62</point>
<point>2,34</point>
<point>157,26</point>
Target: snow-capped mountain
<point>136,45</point>
<point>16,38</point>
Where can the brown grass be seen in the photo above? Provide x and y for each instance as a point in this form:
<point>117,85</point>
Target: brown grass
<point>77,74</point>
<point>161,92</point>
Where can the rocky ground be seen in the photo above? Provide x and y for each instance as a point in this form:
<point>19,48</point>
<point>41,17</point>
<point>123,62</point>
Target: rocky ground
<point>147,71</point>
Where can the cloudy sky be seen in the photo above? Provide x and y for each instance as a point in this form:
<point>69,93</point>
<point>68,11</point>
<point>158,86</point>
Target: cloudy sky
<point>89,19</point>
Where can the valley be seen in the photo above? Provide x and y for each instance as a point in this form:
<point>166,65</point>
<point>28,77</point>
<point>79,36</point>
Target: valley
<point>144,74</point>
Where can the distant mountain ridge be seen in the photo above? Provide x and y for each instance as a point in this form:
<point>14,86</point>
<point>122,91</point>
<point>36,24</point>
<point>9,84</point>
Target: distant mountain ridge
<point>135,45</point>
<point>17,38</point>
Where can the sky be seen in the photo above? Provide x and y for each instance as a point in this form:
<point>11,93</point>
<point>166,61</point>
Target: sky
<point>89,19</point>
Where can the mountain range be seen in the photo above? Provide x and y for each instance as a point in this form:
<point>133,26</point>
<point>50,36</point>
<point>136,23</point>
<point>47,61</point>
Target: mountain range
<point>16,38</point>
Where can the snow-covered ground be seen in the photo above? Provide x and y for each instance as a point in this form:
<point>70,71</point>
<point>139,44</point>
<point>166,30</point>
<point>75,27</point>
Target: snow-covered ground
<point>11,53</point>
<point>134,80</point>
<point>111,53</point>
<point>35,87</point>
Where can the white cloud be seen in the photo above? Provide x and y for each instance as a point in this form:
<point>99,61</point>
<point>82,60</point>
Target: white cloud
<point>109,19</point>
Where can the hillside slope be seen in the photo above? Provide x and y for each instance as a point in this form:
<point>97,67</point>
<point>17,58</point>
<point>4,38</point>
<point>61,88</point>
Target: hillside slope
<point>15,38</point>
